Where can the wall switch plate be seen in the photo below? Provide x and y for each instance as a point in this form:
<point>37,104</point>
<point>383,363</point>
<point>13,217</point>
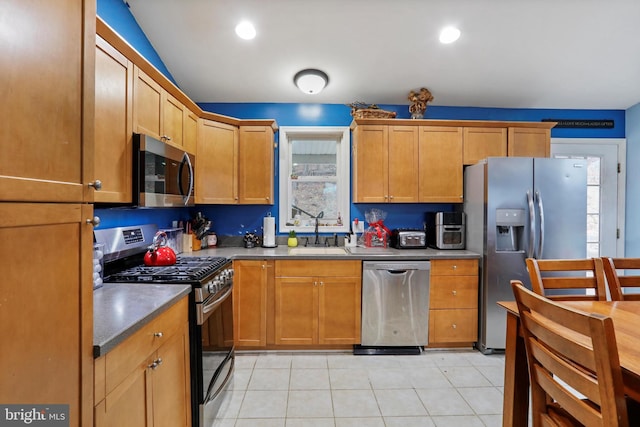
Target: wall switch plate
<point>357,228</point>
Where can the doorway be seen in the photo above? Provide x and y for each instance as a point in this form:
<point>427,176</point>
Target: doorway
<point>605,190</point>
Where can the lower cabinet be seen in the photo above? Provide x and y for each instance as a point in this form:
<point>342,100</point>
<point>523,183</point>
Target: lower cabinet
<point>317,303</point>
<point>453,302</point>
<point>145,380</point>
<point>251,281</point>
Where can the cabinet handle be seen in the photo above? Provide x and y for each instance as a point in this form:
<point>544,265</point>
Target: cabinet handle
<point>454,267</point>
<point>157,334</point>
<point>454,293</point>
<point>97,185</point>
<point>390,197</point>
<point>267,197</point>
<point>315,283</point>
<point>155,364</point>
<point>95,221</point>
<point>165,138</point>
<point>321,283</point>
<point>454,326</point>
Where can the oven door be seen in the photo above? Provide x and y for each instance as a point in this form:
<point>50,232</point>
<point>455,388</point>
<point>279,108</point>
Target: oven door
<point>217,352</point>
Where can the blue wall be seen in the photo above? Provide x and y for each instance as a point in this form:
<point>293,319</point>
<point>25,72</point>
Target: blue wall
<point>632,224</point>
<point>235,220</point>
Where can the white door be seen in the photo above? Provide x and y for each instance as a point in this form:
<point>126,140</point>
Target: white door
<point>605,191</point>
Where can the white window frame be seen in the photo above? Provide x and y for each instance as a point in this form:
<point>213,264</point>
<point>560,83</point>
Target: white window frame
<point>343,137</point>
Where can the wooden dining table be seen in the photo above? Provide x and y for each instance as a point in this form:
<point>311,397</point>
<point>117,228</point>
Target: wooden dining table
<point>626,323</point>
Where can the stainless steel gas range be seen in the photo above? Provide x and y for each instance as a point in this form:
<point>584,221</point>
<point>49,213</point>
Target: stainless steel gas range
<point>210,315</point>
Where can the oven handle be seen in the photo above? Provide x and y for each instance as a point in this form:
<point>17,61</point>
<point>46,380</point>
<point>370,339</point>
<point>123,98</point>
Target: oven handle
<point>206,308</point>
<point>232,361</point>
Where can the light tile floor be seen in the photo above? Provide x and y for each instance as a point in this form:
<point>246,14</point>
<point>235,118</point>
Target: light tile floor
<point>337,389</point>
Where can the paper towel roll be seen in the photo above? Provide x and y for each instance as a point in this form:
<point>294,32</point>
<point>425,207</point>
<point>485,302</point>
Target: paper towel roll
<point>269,232</point>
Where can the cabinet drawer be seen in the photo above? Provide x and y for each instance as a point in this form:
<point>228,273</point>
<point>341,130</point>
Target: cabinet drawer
<point>454,267</point>
<point>128,355</point>
<point>307,268</point>
<point>453,292</point>
<point>451,326</point>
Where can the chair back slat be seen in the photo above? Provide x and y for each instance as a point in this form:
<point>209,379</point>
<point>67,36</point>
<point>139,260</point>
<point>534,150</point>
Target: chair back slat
<point>574,368</point>
<point>561,279</point>
<point>629,278</point>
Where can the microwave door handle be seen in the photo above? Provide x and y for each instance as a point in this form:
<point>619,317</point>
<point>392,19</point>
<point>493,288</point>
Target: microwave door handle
<point>541,213</point>
<point>532,225</point>
<point>186,161</point>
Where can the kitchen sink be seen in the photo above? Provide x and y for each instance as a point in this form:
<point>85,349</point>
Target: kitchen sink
<point>318,251</point>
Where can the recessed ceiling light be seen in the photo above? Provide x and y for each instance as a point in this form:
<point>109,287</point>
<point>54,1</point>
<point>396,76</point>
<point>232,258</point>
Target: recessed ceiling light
<point>245,30</point>
<point>311,81</point>
<point>449,35</point>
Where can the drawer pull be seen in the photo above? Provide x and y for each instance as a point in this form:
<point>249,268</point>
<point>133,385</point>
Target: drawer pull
<point>158,334</point>
<point>454,293</point>
<point>155,364</point>
<point>454,267</point>
<point>454,326</point>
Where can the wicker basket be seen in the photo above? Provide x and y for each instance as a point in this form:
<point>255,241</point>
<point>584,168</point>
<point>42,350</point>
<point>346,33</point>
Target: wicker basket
<point>372,113</point>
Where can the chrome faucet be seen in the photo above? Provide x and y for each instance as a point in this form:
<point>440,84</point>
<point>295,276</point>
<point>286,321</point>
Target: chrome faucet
<point>317,241</point>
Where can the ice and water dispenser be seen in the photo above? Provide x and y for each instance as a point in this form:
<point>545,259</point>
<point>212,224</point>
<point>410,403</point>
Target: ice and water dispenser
<point>509,229</point>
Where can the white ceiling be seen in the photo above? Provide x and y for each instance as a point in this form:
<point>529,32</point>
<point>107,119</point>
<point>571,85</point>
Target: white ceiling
<point>512,53</point>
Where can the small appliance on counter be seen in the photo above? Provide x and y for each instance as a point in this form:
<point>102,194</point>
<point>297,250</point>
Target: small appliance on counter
<point>408,238</point>
<point>446,230</point>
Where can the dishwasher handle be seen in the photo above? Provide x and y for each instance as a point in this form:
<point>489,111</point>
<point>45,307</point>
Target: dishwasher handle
<point>396,267</point>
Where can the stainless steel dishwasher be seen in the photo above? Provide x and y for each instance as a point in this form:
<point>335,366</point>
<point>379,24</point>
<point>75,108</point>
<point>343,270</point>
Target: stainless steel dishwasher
<point>395,303</point>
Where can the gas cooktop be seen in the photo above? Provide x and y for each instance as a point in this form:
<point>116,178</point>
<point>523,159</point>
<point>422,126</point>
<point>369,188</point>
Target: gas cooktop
<point>186,269</point>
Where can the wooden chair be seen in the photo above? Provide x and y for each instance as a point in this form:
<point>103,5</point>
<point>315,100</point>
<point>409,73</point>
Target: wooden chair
<point>571,278</point>
<point>570,351</point>
<point>617,282</point>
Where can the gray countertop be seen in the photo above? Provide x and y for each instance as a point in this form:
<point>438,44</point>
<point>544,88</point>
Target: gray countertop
<point>121,309</point>
<point>359,253</point>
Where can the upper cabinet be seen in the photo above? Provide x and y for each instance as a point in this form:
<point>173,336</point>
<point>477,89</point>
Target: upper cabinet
<point>217,164</point>
<point>114,109</point>
<point>47,103</point>
<point>256,165</point>
<point>404,161</point>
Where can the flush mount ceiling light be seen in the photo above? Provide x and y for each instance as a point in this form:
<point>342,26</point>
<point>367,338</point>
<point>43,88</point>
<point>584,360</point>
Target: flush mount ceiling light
<point>245,30</point>
<point>311,81</point>
<point>449,35</point>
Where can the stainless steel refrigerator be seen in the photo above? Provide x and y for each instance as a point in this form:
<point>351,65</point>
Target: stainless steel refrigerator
<point>520,207</point>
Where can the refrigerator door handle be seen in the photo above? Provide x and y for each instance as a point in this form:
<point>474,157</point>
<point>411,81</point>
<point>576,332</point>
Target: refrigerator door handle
<point>541,213</point>
<point>532,225</point>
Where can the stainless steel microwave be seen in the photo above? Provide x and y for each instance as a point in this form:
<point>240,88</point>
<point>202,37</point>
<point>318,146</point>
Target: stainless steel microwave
<point>163,175</point>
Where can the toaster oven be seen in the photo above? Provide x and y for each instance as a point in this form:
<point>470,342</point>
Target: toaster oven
<point>446,230</point>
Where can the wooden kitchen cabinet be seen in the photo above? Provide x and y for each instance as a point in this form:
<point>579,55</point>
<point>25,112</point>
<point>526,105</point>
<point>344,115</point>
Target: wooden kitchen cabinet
<point>216,164</point>
<point>256,165</point>
<point>440,164</point>
<point>251,280</point>
<point>145,380</point>
<point>47,131</point>
<point>190,141</point>
<point>385,165</point>
<point>480,143</point>
<point>317,303</point>
<point>453,302</point>
<point>47,354</point>
<point>114,124</point>
<point>529,142</point>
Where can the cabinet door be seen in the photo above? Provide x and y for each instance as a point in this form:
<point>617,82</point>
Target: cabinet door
<point>216,164</point>
<point>453,326</point>
<point>250,303</point>
<point>440,179</point>
<point>480,143</point>
<point>171,385</point>
<point>126,405</point>
<point>47,341</point>
<point>296,310</point>
<point>529,142</point>
<point>190,140</point>
<point>453,292</point>
<point>147,105</point>
<point>172,120</point>
<point>370,164</point>
<point>113,145</point>
<point>47,92</point>
<point>255,165</point>
<point>403,164</point>
<point>339,310</point>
